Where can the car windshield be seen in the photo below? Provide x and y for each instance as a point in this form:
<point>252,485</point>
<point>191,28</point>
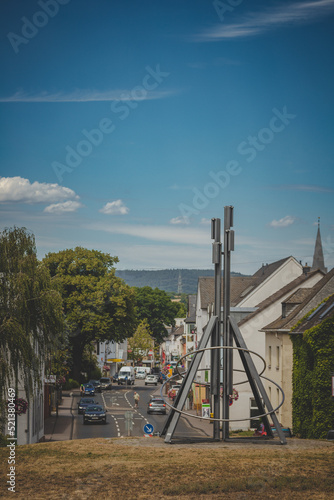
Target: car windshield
<point>94,408</point>
<point>105,380</point>
<point>86,401</point>
<point>157,401</point>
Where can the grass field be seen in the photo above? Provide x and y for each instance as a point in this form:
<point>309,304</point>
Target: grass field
<point>147,468</point>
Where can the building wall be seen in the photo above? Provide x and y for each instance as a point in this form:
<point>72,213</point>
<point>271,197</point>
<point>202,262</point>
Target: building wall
<point>289,271</point>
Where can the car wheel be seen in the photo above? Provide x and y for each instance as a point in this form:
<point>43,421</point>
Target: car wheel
<point>155,384</point>
<point>145,383</point>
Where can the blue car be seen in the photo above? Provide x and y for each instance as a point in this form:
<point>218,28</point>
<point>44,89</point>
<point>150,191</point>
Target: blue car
<point>83,403</point>
<point>88,390</point>
<point>95,413</point>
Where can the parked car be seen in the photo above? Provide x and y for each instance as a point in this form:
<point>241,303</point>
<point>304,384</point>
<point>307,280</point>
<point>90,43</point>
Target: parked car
<point>96,384</point>
<point>83,403</point>
<point>106,383</point>
<point>174,389</point>
<point>88,390</point>
<point>156,405</point>
<point>151,379</point>
<point>95,413</point>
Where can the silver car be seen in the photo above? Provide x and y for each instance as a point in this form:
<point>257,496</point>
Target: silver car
<point>156,405</point>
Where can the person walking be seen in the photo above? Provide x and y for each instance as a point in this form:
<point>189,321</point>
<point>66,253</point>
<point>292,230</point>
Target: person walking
<point>136,398</point>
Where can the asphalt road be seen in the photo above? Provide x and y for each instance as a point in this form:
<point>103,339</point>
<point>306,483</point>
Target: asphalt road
<point>123,419</point>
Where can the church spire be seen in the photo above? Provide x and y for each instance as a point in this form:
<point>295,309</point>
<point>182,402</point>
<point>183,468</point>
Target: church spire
<point>318,256</point>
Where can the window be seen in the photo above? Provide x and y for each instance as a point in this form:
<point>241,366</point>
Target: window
<point>269,357</point>
<point>277,358</point>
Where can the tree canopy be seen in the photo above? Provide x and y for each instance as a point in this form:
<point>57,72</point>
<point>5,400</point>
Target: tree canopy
<point>141,342</point>
<point>156,306</point>
<point>98,306</point>
<point>31,316</point>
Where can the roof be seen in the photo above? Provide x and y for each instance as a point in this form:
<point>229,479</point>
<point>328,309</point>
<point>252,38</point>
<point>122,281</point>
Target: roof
<point>324,311</point>
<point>318,256</point>
<point>268,269</point>
<point>300,295</point>
<point>241,286</point>
<point>321,290</point>
<point>179,331</point>
<point>238,285</point>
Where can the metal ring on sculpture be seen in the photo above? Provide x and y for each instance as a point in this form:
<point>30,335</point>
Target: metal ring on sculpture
<point>223,347</point>
<point>224,419</point>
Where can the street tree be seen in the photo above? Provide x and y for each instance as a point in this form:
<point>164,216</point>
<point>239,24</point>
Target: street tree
<point>141,342</point>
<point>98,306</point>
<point>156,306</point>
<point>31,319</point>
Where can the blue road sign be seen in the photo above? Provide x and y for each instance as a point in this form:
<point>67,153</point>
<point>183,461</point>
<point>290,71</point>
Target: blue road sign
<point>148,429</point>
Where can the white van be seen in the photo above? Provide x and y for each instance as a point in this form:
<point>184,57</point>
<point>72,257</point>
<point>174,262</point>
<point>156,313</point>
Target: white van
<point>142,371</point>
<point>126,375</point>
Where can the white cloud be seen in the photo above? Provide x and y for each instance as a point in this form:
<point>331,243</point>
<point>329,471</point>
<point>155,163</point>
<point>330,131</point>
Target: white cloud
<point>205,221</point>
<point>180,220</point>
<point>285,221</point>
<point>18,189</point>
<point>60,208</point>
<point>82,95</point>
<point>256,23</point>
<point>116,207</point>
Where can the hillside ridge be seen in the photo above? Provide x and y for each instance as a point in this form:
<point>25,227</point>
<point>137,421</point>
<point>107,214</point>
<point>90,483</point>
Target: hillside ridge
<point>169,280</point>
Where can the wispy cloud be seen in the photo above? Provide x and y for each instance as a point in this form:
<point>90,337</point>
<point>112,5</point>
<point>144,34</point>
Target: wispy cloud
<point>284,222</point>
<point>306,187</point>
<point>18,189</point>
<point>61,208</point>
<point>180,220</point>
<point>80,95</point>
<point>171,234</point>
<point>116,207</point>
<point>258,22</point>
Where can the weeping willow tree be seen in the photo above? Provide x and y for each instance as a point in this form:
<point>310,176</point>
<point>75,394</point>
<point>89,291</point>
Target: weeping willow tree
<point>31,317</point>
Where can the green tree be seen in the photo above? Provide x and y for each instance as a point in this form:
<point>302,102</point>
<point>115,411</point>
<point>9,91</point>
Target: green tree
<point>155,306</point>
<point>98,306</point>
<point>141,342</point>
<point>31,318</point>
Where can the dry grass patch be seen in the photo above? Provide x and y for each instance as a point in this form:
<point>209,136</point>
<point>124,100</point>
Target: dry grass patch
<point>148,468</point>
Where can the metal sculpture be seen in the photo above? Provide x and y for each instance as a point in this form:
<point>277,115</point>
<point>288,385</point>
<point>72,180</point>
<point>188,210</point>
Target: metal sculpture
<point>223,343</point>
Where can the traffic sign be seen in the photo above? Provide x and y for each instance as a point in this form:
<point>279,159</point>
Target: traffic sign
<point>148,429</point>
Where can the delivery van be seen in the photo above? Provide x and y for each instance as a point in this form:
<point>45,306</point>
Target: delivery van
<point>126,375</point>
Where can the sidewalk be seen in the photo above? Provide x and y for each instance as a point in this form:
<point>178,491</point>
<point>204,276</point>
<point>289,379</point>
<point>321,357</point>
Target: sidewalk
<point>60,428</point>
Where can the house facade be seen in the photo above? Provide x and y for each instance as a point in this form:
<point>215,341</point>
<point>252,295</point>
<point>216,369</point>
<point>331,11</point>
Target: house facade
<point>279,352</point>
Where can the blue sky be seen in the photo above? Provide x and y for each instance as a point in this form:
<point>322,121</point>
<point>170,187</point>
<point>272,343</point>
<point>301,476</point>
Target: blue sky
<point>127,126</point>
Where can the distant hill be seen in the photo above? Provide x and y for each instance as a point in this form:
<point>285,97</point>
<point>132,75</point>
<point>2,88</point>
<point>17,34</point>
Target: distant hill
<point>169,280</point>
